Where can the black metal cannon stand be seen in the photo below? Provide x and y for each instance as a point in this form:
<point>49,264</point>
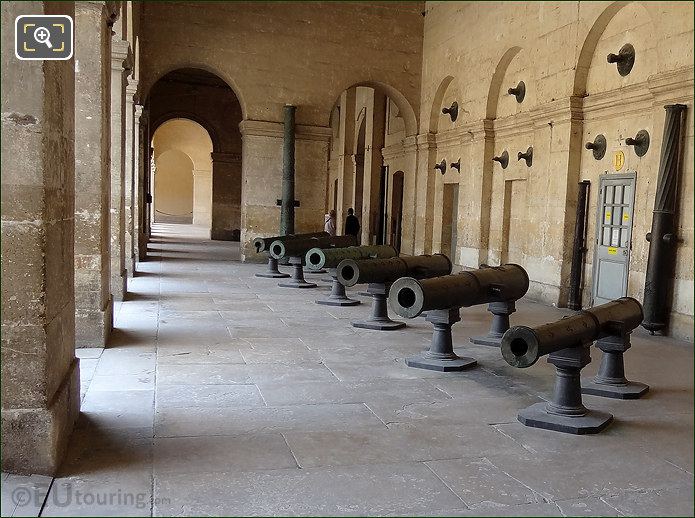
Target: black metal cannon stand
<point>566,412</point>
<point>317,271</point>
<point>440,356</point>
<point>337,296</point>
<point>500,323</point>
<point>297,280</point>
<point>610,380</point>
<point>272,271</point>
<point>379,320</point>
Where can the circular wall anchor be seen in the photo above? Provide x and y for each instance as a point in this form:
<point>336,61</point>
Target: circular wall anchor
<point>453,111</point>
<point>625,58</point>
<point>503,159</point>
<point>528,156</point>
<point>441,166</point>
<point>456,165</point>
<point>519,91</point>
<point>598,146</point>
<point>640,142</point>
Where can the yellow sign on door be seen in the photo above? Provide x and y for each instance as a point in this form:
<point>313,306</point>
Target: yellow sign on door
<point>612,251</point>
<point>618,160</point>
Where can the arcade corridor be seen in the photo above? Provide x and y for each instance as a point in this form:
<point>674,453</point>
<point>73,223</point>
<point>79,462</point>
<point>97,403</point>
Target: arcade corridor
<point>222,394</point>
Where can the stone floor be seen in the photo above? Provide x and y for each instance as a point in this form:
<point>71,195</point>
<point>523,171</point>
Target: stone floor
<point>222,394</point>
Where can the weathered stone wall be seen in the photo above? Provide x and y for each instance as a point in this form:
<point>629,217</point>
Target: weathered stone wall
<point>40,374</point>
<point>526,214</point>
<point>261,51</point>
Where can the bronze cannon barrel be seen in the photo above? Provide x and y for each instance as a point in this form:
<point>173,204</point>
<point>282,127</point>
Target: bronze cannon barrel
<point>299,247</point>
<point>409,297</point>
<point>351,271</point>
<point>522,346</point>
<point>318,258</point>
<point>262,244</point>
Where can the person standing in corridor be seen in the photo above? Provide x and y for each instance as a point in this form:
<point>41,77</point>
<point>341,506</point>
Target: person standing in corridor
<point>352,224</point>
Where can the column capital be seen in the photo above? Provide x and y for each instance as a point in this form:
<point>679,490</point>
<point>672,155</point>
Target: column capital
<point>131,86</point>
<point>120,53</point>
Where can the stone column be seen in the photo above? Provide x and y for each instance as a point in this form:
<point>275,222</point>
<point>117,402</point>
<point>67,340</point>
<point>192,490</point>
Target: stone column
<point>226,195</point>
<point>373,161</point>
<point>288,198</point>
<point>93,303</point>
<point>40,374</point>
<point>424,192</point>
<point>346,157</point>
<point>119,62</point>
<point>129,191</point>
<point>137,181</point>
<point>202,197</point>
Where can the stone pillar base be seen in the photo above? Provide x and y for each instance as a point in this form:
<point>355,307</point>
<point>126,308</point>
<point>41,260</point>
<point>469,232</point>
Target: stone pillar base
<point>92,328</point>
<point>34,440</point>
<point>119,285</point>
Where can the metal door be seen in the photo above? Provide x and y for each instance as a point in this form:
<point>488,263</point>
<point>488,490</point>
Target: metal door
<point>613,236</point>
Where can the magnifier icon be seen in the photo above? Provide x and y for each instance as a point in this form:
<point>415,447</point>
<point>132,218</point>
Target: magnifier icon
<point>42,35</point>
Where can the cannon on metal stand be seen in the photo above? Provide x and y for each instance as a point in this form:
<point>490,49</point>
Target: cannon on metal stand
<point>296,250</point>
<point>262,244</point>
<point>443,297</point>
<point>329,258</point>
<point>380,274</point>
<point>567,343</point>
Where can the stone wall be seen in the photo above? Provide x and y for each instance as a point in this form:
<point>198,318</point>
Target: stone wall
<point>269,65</point>
<point>526,214</point>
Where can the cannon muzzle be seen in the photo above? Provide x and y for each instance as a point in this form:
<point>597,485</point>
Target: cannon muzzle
<point>318,258</point>
<point>409,297</point>
<point>351,271</point>
<point>522,346</point>
<point>281,248</point>
<point>262,244</point>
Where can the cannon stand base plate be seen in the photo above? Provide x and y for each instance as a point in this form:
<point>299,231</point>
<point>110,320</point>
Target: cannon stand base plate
<point>536,416</point>
<point>273,275</point>
<point>459,364</point>
<point>316,271</point>
<point>339,302</point>
<point>631,390</point>
<point>390,325</point>
<point>487,340</point>
<point>297,285</point>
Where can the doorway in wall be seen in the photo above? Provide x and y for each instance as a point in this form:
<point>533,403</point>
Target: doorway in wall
<point>450,205</point>
<point>613,236</point>
<point>396,210</point>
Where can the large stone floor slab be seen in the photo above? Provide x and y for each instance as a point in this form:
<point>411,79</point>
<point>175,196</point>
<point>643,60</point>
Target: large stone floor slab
<point>222,394</point>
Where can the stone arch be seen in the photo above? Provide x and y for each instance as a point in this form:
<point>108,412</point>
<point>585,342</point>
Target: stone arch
<point>496,82</point>
<point>404,107</point>
<point>203,135</point>
<point>193,117</point>
<point>150,82</point>
<point>173,201</point>
<point>591,41</point>
<point>435,111</point>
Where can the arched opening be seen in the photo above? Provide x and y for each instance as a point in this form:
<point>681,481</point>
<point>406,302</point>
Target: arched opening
<point>171,187</point>
<point>366,119</point>
<point>208,102</point>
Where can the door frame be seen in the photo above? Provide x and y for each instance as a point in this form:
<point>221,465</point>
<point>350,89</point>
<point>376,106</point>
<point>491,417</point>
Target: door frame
<point>629,175</point>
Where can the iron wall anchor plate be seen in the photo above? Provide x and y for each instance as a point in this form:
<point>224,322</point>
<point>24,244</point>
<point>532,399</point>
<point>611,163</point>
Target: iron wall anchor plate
<point>536,416</point>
